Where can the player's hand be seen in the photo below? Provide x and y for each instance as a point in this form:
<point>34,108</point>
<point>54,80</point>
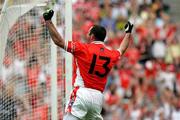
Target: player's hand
<point>128,27</point>
<point>48,14</point>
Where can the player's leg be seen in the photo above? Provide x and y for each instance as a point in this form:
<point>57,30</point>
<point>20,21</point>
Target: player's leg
<point>94,104</point>
<point>94,114</point>
<point>76,105</point>
<point>93,117</point>
<point>69,116</point>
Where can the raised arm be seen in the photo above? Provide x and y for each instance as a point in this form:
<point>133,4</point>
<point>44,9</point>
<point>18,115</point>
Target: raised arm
<point>56,37</point>
<point>125,42</point>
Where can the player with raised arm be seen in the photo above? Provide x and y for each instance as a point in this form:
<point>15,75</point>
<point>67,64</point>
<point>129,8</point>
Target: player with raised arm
<point>93,62</point>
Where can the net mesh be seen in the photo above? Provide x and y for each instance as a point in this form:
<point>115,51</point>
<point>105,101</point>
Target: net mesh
<point>25,82</point>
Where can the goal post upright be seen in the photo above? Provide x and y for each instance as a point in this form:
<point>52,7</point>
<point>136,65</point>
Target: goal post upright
<point>54,88</point>
<point>4,6</point>
<point>68,37</point>
<point>2,42</point>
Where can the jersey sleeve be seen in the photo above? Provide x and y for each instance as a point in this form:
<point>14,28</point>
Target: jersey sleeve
<point>75,47</point>
<point>117,54</point>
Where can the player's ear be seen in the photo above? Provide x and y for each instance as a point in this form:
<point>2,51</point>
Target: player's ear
<point>92,37</point>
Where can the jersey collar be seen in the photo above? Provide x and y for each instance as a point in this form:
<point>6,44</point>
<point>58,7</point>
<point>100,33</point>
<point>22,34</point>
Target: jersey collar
<point>102,43</point>
<point>97,42</point>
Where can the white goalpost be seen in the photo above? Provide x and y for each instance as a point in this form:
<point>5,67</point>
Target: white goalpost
<point>68,37</point>
<point>54,96</point>
<point>33,83</point>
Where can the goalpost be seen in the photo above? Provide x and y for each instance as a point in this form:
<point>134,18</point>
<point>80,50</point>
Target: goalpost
<point>33,83</point>
<point>68,36</point>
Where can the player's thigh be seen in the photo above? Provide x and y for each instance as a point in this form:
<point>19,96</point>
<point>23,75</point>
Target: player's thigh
<point>94,113</point>
<point>77,106</point>
<point>69,116</point>
<point>93,117</point>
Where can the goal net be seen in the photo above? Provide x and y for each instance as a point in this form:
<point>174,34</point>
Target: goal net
<point>32,81</point>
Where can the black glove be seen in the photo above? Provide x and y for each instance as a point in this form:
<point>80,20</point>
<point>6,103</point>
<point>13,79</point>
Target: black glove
<point>128,27</point>
<point>48,14</point>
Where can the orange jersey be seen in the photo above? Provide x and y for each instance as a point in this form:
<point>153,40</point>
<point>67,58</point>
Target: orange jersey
<point>93,63</point>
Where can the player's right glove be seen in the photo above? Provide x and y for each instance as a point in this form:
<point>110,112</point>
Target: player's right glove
<point>128,27</point>
<point>48,14</point>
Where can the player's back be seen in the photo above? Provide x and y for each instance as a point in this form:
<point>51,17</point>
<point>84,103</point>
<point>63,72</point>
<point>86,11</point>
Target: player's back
<point>93,63</point>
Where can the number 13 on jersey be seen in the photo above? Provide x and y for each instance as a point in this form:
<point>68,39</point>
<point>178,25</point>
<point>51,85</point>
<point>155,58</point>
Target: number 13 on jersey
<point>106,61</point>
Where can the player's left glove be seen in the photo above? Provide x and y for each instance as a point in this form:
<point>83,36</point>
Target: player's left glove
<point>128,27</point>
<point>48,14</point>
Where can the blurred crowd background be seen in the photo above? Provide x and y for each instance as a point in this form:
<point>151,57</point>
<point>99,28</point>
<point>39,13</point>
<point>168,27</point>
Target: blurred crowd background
<point>144,85</point>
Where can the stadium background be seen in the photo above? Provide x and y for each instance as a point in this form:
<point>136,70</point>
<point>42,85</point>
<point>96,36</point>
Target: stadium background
<point>145,84</point>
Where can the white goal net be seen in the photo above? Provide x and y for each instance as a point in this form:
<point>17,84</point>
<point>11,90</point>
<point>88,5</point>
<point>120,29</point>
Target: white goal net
<point>32,69</point>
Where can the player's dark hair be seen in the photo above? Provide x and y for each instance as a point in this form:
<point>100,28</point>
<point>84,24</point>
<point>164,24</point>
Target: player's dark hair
<point>99,32</point>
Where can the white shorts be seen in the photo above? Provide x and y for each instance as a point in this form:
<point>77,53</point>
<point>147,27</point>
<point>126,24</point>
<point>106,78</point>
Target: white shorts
<point>85,103</point>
